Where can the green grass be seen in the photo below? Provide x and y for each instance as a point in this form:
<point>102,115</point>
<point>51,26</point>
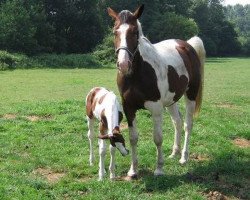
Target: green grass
<point>56,144</point>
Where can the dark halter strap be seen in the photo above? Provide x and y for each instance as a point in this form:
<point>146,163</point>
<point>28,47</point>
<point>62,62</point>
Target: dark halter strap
<point>126,49</point>
<point>131,55</point>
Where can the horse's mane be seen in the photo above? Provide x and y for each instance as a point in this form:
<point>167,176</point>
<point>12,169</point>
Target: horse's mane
<point>146,48</point>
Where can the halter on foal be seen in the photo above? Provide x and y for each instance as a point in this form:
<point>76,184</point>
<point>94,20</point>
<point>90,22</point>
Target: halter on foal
<point>155,76</point>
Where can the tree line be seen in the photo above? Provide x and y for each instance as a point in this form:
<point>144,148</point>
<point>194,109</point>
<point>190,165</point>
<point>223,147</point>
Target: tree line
<point>78,26</point>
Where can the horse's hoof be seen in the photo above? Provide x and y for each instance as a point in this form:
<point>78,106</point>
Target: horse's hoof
<point>159,172</point>
<point>172,156</point>
<point>130,178</point>
<point>182,161</point>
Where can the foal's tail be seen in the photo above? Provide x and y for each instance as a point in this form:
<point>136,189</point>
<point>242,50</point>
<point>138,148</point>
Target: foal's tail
<point>197,44</point>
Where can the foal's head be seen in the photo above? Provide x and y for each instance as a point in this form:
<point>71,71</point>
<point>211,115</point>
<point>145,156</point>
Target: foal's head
<point>126,36</point>
<point>116,140</point>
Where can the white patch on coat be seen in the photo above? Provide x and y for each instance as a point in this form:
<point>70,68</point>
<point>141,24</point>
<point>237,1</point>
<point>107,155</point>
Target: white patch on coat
<point>123,56</point>
<point>111,107</point>
<point>121,148</point>
<point>160,56</point>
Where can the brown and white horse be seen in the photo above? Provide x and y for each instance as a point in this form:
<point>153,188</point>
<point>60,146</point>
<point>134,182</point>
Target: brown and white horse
<point>103,105</point>
<point>155,76</point>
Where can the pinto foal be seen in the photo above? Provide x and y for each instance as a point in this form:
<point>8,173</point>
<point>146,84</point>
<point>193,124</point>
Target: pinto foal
<point>103,105</point>
<point>155,76</point>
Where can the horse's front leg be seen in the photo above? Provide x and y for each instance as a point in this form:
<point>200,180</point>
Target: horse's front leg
<point>133,138</point>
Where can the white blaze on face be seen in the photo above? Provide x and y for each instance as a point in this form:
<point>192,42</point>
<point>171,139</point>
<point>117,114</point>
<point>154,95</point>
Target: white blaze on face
<point>123,56</point>
<point>121,148</point>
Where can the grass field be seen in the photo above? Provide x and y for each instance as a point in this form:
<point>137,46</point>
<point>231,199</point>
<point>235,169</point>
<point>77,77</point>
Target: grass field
<point>44,146</point>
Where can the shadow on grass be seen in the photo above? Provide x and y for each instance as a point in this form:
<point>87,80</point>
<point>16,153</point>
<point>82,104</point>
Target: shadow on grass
<point>227,174</point>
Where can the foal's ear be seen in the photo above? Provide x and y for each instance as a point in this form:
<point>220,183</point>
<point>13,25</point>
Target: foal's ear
<point>112,13</point>
<point>104,136</point>
<point>139,11</point>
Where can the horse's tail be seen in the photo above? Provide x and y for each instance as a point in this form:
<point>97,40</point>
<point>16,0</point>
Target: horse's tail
<point>197,44</point>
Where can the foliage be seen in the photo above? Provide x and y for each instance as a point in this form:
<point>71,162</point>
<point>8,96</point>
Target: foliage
<point>105,52</point>
<point>11,61</point>
<point>170,25</point>
<point>43,135</point>
<point>217,33</point>
<point>16,28</point>
<point>19,61</point>
<point>240,16</point>
<point>76,26</point>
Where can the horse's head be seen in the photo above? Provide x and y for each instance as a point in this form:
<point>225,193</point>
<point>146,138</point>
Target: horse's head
<point>116,140</point>
<point>126,36</point>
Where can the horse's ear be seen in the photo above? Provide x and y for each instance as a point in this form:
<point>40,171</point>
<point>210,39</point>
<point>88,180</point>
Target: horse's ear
<point>106,136</point>
<point>139,11</point>
<point>112,13</point>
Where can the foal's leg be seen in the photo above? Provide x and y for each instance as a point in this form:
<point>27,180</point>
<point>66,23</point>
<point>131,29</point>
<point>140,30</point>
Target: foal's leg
<point>112,162</point>
<point>91,140</point>
<point>188,124</point>
<point>177,122</point>
<point>102,153</point>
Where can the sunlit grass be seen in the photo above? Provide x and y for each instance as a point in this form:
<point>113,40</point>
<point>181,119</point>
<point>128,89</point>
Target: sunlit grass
<point>43,126</point>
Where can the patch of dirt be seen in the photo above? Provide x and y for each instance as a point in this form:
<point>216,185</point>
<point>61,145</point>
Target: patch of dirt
<point>199,157</point>
<point>215,195</point>
<point>9,116</point>
<point>123,126</point>
<point>49,175</point>
<point>242,142</point>
<point>34,118</point>
<point>226,105</point>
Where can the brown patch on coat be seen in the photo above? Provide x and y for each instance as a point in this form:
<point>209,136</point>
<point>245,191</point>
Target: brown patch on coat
<point>116,130</point>
<point>242,142</point>
<point>117,137</point>
<point>49,175</point>
<point>102,98</point>
<point>177,84</point>
<point>193,66</point>
<point>91,102</point>
<point>138,87</point>
<point>120,116</point>
<point>103,125</point>
<point>126,17</point>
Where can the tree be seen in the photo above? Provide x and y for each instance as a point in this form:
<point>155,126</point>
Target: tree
<point>218,35</point>
<point>77,24</point>
<point>16,28</point>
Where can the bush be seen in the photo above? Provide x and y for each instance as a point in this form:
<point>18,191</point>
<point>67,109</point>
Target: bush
<point>11,61</point>
<point>64,61</point>
<point>105,52</point>
<point>172,26</point>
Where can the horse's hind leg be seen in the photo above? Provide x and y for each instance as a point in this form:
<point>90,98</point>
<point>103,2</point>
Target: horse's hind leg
<point>91,140</point>
<point>177,122</point>
<point>188,124</point>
